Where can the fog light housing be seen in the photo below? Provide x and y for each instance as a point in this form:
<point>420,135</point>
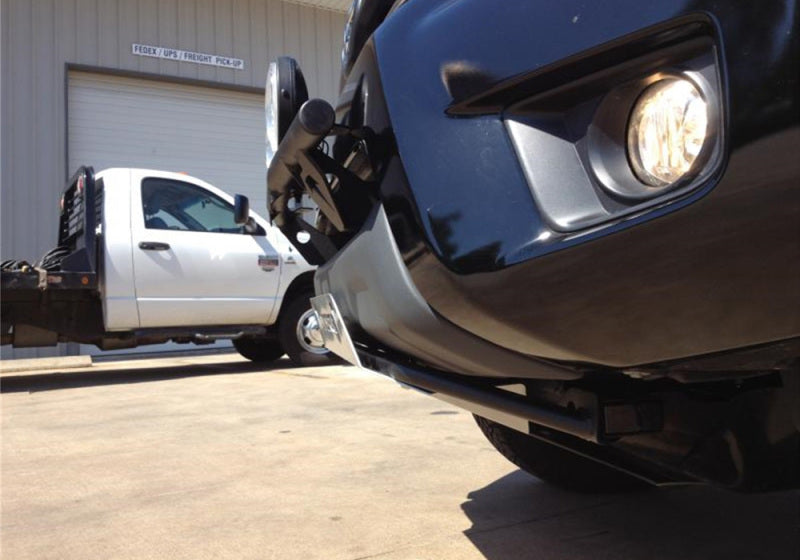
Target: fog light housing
<point>667,131</point>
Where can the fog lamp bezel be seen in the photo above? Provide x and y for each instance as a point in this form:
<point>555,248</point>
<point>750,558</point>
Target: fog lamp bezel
<point>568,126</point>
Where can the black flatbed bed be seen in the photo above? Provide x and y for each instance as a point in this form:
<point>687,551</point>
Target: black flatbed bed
<point>30,285</point>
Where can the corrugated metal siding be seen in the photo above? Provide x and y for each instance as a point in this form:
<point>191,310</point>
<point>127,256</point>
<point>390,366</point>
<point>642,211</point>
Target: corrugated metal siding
<point>40,38</point>
<point>336,5</point>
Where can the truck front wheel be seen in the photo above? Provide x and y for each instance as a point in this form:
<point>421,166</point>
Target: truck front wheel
<point>555,465</point>
<point>259,349</point>
<point>299,333</point>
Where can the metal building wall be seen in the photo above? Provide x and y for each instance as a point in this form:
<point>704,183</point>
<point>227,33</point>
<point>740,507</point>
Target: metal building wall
<point>41,37</point>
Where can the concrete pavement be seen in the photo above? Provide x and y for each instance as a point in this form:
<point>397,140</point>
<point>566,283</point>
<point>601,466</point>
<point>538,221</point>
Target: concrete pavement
<point>214,457</point>
<point>44,364</point>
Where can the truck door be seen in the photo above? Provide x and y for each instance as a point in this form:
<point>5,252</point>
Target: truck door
<point>192,264</point>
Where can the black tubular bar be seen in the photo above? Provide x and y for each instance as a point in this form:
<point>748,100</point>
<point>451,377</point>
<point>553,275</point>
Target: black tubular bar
<point>309,128</point>
<point>582,426</point>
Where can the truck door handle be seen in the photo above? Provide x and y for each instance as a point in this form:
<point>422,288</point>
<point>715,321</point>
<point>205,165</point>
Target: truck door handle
<point>153,246</point>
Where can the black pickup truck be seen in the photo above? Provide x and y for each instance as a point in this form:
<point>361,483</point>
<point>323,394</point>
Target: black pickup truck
<point>580,221</point>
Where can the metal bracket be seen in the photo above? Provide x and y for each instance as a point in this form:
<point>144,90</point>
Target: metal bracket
<point>42,284</point>
<point>333,329</point>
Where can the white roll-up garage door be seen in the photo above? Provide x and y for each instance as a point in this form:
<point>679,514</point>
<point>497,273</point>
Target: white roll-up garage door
<point>214,134</point>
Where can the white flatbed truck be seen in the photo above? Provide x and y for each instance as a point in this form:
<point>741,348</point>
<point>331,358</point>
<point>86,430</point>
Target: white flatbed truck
<point>146,257</point>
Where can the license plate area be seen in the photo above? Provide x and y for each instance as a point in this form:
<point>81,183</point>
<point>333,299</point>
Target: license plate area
<point>334,330</point>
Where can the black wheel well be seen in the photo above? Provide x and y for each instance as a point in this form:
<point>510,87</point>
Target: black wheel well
<point>300,284</point>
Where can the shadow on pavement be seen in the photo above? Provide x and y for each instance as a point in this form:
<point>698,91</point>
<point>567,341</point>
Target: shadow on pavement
<point>131,374</point>
<point>519,517</point>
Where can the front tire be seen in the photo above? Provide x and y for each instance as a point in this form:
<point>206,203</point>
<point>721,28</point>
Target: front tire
<point>296,331</point>
<point>259,349</point>
<point>556,465</point>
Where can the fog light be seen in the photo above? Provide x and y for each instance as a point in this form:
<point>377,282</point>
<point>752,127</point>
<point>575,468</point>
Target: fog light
<point>667,131</point>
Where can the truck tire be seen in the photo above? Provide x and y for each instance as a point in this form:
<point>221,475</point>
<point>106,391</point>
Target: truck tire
<point>259,349</point>
<point>297,334</point>
<point>555,465</point>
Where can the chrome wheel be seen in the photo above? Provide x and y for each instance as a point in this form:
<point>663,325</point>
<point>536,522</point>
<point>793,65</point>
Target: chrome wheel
<point>308,333</point>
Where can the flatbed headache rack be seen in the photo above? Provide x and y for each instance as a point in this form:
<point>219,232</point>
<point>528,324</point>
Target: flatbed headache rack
<point>73,263</point>
<point>59,293</point>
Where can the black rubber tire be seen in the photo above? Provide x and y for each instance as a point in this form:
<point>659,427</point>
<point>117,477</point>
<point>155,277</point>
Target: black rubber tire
<point>287,333</point>
<point>555,465</point>
<point>259,349</point>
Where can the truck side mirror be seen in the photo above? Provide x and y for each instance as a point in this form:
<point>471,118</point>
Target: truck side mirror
<point>241,209</point>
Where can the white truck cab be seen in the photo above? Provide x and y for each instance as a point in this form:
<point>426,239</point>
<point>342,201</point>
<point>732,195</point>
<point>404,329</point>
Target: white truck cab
<point>166,261</point>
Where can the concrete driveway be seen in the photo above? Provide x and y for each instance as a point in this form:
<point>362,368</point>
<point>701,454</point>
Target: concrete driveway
<point>213,457</point>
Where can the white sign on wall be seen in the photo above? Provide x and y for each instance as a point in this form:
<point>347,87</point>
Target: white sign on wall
<point>187,56</point>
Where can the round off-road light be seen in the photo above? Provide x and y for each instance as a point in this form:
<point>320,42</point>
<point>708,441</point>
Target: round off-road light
<point>667,131</point>
<point>271,111</point>
<point>284,92</point>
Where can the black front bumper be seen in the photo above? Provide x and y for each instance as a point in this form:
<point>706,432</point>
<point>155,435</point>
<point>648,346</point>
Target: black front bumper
<point>453,282</point>
<point>707,272</point>
<point>381,307</point>
<point>472,257</point>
